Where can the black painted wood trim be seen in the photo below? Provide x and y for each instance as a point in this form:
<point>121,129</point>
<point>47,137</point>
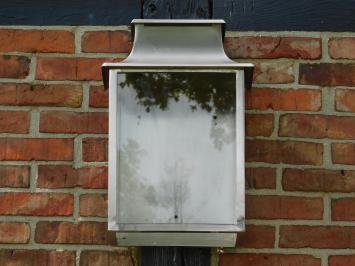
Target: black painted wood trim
<point>259,15</point>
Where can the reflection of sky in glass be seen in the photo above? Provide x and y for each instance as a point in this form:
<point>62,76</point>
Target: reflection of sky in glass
<point>177,164</point>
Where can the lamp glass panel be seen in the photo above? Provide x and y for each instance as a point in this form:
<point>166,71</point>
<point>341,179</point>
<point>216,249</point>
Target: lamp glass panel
<point>176,148</point>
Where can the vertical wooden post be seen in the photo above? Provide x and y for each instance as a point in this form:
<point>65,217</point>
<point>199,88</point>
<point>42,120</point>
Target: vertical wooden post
<point>176,9</point>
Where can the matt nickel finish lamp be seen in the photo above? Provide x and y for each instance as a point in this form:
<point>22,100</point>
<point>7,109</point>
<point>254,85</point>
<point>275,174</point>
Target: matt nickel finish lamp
<point>176,137</point>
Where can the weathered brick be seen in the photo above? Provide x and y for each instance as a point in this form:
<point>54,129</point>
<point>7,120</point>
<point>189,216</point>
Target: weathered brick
<point>259,124</point>
<point>257,236</point>
<point>345,100</point>
<point>290,152</point>
<point>118,41</point>
<point>14,233</point>
<point>14,176</point>
<point>343,209</point>
<point>65,176</point>
<point>261,177</point>
<point>107,258</point>
<point>343,153</point>
<point>304,236</point>
<point>268,259</point>
<point>95,149</point>
<point>317,126</point>
<point>98,97</point>
<point>70,233</point>
<point>283,99</point>
<point>59,68</point>
<point>39,204</point>
<point>34,41</point>
<point>93,205</point>
<point>13,66</point>
<point>73,122</point>
<point>341,260</point>
<point>38,94</point>
<point>33,257</point>
<point>327,74</point>
<point>283,207</point>
<point>342,48</point>
<point>14,122</point>
<point>14,149</point>
<point>322,180</point>
<point>273,73</point>
<point>273,47</point>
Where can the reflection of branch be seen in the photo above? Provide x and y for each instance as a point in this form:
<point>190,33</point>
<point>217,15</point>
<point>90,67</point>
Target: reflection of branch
<point>212,92</point>
<point>174,186</point>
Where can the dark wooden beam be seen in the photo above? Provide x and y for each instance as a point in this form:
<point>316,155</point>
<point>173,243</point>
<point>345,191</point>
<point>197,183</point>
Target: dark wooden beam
<point>173,9</point>
<point>278,15</point>
<point>175,256</point>
<point>253,15</point>
<point>69,12</point>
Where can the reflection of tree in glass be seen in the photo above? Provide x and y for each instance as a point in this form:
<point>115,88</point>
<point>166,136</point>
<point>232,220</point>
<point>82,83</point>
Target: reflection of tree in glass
<point>139,201</point>
<point>134,189</point>
<point>174,188</point>
<point>212,92</point>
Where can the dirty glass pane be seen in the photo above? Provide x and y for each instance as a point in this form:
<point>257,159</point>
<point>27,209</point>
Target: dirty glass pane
<point>176,148</point>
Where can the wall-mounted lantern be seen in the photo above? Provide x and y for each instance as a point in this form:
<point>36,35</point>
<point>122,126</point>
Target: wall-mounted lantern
<point>176,137</point>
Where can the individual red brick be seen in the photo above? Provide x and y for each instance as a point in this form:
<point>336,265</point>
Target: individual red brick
<point>257,236</point>
<point>16,149</point>
<point>16,176</point>
<point>37,94</point>
<point>290,152</point>
<point>327,74</point>
<point>268,260</point>
<point>34,41</point>
<point>282,99</point>
<point>345,100</point>
<point>342,48</point>
<point>273,72</point>
<point>14,122</point>
<point>341,260</point>
<point>39,204</point>
<point>13,66</point>
<point>59,68</point>
<point>107,258</point>
<point>95,149</point>
<point>273,47</point>
<point>98,97</point>
<point>304,236</point>
<point>259,124</point>
<point>118,41</point>
<point>283,207</point>
<point>261,177</point>
<point>33,257</point>
<point>73,122</point>
<point>65,176</point>
<point>343,209</point>
<point>318,180</point>
<point>93,205</point>
<point>14,233</point>
<point>343,153</point>
<point>70,233</point>
<point>317,126</point>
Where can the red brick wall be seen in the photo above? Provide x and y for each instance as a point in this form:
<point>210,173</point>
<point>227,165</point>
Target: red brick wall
<point>300,203</point>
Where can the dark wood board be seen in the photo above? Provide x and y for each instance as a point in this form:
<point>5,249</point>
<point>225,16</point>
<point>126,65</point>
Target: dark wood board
<point>69,12</point>
<point>258,15</point>
<point>280,15</point>
<point>175,256</point>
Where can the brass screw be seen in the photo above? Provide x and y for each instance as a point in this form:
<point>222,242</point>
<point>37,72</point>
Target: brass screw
<point>220,251</point>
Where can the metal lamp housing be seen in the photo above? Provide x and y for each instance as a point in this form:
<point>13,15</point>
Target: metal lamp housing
<point>176,137</point>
